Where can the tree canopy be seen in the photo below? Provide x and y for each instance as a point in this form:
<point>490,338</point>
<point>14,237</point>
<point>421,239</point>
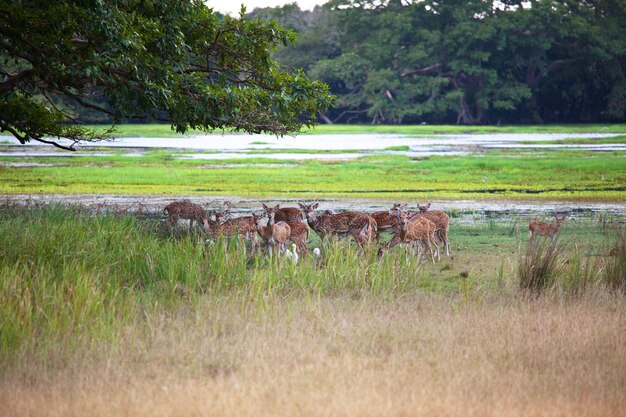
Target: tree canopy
<point>169,61</point>
<point>466,61</point>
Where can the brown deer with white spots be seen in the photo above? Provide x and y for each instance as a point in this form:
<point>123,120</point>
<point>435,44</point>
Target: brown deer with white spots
<point>415,229</point>
<point>241,227</point>
<point>386,220</point>
<point>360,226</point>
<point>185,210</point>
<point>442,223</point>
<point>287,214</point>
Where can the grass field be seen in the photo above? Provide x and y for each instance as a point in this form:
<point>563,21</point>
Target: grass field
<point>116,315</point>
<point>570,175</point>
<point>113,315</point>
<point>164,130</point>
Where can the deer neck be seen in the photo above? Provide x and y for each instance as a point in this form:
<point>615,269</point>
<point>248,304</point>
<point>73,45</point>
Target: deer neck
<point>312,220</point>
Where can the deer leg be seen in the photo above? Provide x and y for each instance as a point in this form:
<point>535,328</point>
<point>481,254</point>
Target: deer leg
<point>427,243</point>
<point>447,242</point>
<point>436,250</point>
<point>418,247</point>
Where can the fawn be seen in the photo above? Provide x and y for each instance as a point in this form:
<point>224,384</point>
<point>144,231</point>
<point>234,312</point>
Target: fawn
<point>415,229</point>
<point>274,235</point>
<point>300,232</point>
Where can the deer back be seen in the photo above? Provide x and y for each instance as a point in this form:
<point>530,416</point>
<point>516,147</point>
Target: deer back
<point>237,226</point>
<point>384,220</point>
<point>299,231</point>
<point>185,210</point>
<point>337,223</point>
<point>441,219</point>
<point>288,214</point>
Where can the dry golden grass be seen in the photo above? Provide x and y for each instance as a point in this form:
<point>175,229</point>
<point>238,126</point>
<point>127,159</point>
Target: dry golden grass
<point>416,356</point>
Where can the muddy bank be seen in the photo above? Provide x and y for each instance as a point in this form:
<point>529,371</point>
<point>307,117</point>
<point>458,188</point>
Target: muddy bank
<point>461,209</point>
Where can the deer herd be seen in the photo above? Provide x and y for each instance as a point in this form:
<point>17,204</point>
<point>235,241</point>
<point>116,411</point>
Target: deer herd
<point>424,229</point>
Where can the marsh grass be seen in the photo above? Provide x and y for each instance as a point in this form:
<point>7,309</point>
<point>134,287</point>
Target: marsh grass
<point>511,174</point>
<point>616,266</point>
<point>538,264</point>
<point>116,315</point>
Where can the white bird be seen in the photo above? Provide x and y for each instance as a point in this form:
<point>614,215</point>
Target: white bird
<point>317,253</point>
<point>295,253</point>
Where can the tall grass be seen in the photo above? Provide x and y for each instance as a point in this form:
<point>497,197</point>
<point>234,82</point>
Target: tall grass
<point>555,265</point>
<point>616,267</point>
<point>67,275</point>
<point>538,264</point>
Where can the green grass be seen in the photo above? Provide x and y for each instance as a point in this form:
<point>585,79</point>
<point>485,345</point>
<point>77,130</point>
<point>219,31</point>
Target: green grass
<point>164,130</point>
<point>67,276</point>
<point>572,175</point>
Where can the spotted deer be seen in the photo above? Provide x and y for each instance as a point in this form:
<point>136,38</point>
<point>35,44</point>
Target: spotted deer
<point>442,222</point>
<point>300,232</point>
<point>241,227</point>
<point>274,235</point>
<point>359,225</point>
<point>287,214</point>
<point>185,210</point>
<point>386,220</point>
<point>417,230</point>
<point>537,227</point>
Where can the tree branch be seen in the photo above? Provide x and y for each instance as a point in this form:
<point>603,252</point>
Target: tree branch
<point>408,73</point>
<point>14,79</point>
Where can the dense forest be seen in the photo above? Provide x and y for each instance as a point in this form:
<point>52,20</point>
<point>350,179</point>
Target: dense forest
<point>463,61</point>
<point>459,61</point>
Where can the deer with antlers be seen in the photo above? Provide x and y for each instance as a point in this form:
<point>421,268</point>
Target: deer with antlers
<point>274,235</point>
<point>185,210</point>
<point>442,223</point>
<point>539,228</point>
<point>415,229</point>
<point>359,225</point>
<point>300,232</point>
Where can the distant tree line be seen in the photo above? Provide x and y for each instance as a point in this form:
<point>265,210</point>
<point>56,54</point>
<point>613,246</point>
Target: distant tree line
<point>463,61</point>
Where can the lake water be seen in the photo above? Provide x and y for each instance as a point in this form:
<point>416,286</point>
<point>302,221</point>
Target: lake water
<point>236,146</point>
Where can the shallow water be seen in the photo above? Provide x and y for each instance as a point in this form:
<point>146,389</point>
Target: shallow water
<point>229,146</point>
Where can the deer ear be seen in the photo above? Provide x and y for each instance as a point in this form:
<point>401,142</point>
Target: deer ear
<point>302,206</point>
<point>264,206</point>
<point>277,207</point>
<point>315,205</point>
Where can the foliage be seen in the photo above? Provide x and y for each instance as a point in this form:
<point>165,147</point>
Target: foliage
<point>173,62</point>
<point>468,62</point>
